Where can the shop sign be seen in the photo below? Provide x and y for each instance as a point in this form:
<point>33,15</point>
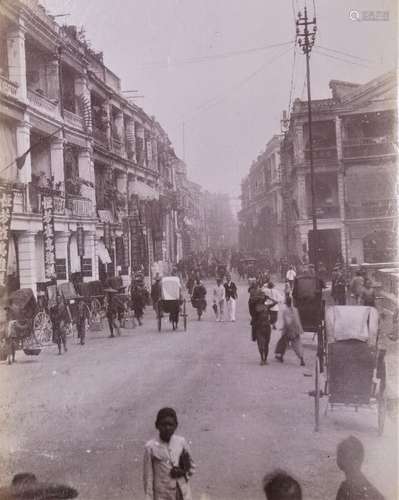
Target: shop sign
<point>135,242</point>
<point>107,235</point>
<point>6,207</point>
<point>48,237</point>
<point>125,238</point>
<point>80,240</point>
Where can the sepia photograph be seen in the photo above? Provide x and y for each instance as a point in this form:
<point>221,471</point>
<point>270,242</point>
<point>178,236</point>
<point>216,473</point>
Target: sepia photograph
<point>199,250</point>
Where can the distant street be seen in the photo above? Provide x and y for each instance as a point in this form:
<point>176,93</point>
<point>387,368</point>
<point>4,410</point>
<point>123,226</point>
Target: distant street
<point>84,417</point>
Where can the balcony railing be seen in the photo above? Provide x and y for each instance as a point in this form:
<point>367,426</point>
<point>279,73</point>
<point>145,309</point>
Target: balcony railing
<point>328,153</point>
<point>100,136</point>
<point>72,119</point>
<point>325,212</point>
<point>117,145</point>
<point>79,207</point>
<point>368,147</point>
<point>372,209</point>
<point>35,199</point>
<point>7,87</point>
<point>43,103</point>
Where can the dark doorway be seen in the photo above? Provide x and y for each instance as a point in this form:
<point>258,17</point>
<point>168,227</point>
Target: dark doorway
<point>328,246</point>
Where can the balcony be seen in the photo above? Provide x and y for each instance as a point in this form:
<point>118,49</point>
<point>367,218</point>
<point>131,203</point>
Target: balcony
<point>7,87</point>
<point>373,209</point>
<point>73,120</point>
<point>368,147</point>
<point>325,154</point>
<point>325,212</point>
<point>79,206</point>
<point>42,103</point>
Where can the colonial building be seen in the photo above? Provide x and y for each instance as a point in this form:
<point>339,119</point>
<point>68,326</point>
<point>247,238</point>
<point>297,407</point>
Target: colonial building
<point>355,159</point>
<point>91,174</point>
<point>261,215</point>
<point>220,222</point>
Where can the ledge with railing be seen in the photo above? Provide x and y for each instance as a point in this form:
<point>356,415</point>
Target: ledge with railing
<point>41,102</point>
<point>73,119</point>
<point>372,209</point>
<point>322,153</point>
<point>368,147</point>
<point>79,206</point>
<point>7,87</point>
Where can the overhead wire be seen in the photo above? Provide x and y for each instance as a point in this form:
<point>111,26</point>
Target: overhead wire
<point>340,59</point>
<point>224,55</point>
<point>347,54</point>
<point>212,102</point>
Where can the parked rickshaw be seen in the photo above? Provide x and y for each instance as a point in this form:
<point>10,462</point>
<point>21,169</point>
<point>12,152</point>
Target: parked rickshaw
<point>355,367</point>
<point>171,302</point>
<point>95,298</point>
<point>20,333</point>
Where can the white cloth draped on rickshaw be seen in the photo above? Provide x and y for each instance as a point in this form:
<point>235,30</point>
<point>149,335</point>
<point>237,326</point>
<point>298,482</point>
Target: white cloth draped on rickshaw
<point>171,288</point>
<point>352,322</point>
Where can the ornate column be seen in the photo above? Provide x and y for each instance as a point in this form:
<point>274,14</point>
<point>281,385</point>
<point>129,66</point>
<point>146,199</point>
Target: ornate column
<point>301,193</point>
<point>86,172</point>
<point>27,260</point>
<point>16,59</point>
<point>130,140</point>
<point>57,158</point>
<point>338,137</point>
<point>299,144</point>
<point>53,79</point>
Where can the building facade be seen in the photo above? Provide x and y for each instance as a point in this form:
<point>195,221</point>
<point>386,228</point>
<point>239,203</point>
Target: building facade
<point>261,215</point>
<point>355,160</point>
<point>91,177</point>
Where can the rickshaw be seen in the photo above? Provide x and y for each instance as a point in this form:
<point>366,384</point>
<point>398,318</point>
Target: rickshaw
<point>171,302</point>
<point>95,299</point>
<point>355,367</point>
<point>308,299</point>
<point>20,333</point>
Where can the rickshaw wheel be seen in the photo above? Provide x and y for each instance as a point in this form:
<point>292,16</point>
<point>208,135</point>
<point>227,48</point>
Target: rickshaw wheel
<point>381,408</point>
<point>43,328</point>
<point>317,395</point>
<point>95,311</point>
<point>159,317</point>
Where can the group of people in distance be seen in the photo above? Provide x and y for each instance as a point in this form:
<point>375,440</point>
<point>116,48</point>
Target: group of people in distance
<point>264,304</point>
<point>225,294</point>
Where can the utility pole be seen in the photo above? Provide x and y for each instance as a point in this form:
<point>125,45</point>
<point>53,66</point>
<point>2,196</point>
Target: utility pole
<point>306,39</point>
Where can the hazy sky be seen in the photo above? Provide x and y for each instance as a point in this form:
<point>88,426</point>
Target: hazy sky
<point>230,105</point>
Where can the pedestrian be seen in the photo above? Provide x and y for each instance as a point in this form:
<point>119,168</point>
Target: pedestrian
<point>278,485</point>
<point>111,313</point>
<point>219,298</point>
<point>231,297</point>
<point>261,323</point>
<point>273,294</point>
<point>291,333</point>
<point>138,302</point>
<point>350,456</point>
<point>167,461</point>
<point>59,319</point>
<point>290,276</point>
<point>356,286</point>
<point>156,292</point>
<point>338,289</point>
<point>368,294</point>
<point>82,318</point>
<point>198,300</point>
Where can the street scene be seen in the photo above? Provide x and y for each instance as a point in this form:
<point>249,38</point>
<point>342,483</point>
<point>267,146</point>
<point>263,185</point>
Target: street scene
<point>198,250</point>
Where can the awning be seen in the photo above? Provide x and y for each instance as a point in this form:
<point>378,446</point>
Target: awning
<point>102,253</point>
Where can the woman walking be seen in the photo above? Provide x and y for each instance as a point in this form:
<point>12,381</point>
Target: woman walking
<point>291,333</point>
<point>261,323</point>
